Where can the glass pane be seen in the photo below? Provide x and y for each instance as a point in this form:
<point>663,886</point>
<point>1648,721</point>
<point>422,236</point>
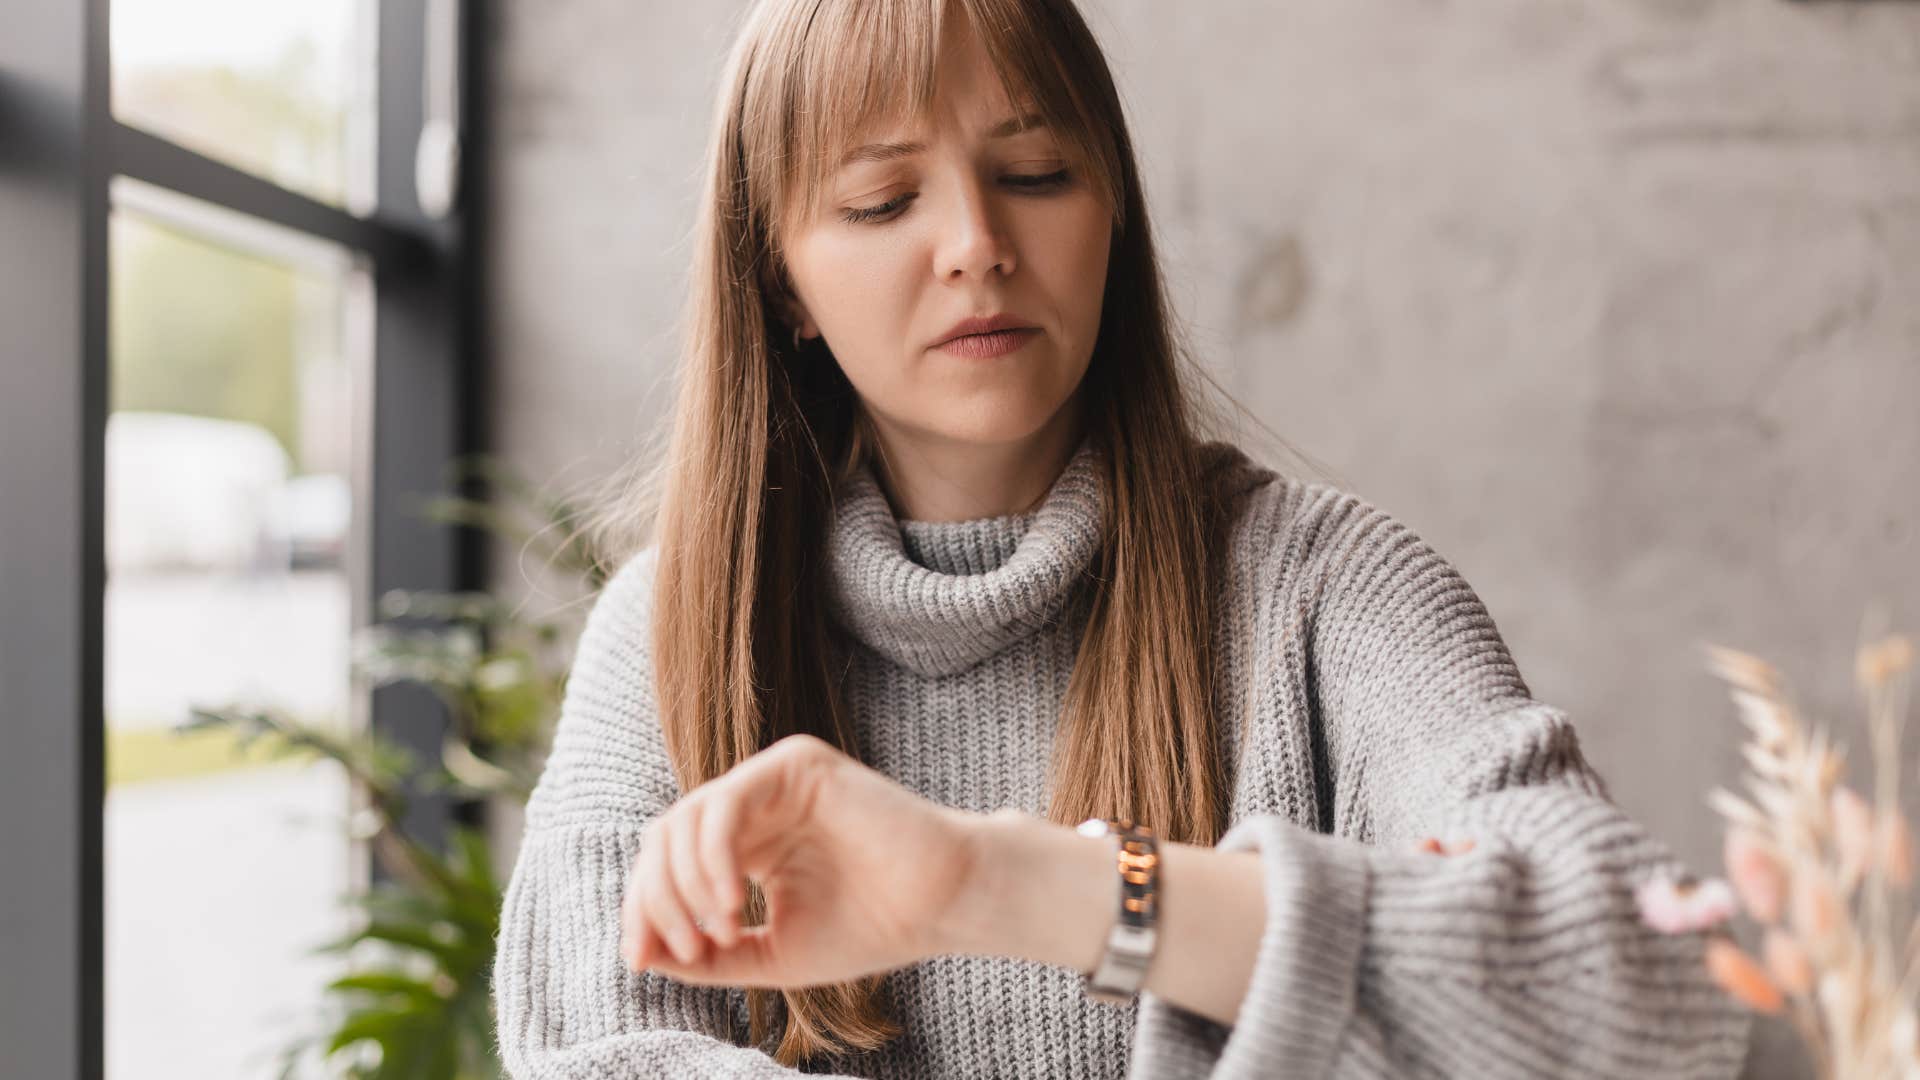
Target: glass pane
<point>280,90</point>
<point>229,505</point>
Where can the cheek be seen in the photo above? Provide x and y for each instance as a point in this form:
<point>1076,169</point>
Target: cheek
<point>1071,258</point>
<point>857,291</point>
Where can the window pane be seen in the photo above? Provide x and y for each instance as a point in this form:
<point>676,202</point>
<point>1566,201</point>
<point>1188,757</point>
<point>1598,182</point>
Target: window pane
<point>280,90</point>
<point>229,508</point>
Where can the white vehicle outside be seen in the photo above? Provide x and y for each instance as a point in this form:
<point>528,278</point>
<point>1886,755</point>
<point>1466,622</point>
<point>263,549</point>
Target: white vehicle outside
<point>192,493</point>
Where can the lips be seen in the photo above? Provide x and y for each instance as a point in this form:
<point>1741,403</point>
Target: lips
<point>989,345</point>
<point>985,324</point>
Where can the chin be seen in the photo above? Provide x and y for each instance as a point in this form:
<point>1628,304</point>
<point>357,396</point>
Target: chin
<point>993,423</point>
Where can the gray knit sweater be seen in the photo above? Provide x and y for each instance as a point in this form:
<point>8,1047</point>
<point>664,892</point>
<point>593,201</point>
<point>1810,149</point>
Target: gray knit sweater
<point>1366,700</point>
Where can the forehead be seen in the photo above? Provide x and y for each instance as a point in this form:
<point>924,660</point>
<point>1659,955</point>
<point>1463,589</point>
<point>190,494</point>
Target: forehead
<point>867,80</point>
<point>964,92</point>
<point>889,149</point>
<point>964,74</point>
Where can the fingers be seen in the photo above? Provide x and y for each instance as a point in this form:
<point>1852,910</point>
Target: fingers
<point>690,877</point>
<point>749,962</point>
<point>662,904</point>
<point>649,951</point>
<point>633,928</point>
<point>691,868</point>
<point>640,943</point>
<point>723,868</point>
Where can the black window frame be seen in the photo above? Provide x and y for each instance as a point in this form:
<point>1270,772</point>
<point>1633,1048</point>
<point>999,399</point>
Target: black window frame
<point>59,148</point>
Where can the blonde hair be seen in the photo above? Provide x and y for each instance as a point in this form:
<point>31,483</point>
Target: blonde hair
<point>760,439</point>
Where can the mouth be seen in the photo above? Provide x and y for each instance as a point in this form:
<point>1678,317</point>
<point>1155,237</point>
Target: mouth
<point>983,324</point>
<point>990,344</point>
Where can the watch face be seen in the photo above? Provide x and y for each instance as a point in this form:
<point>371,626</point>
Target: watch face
<point>1093,826</point>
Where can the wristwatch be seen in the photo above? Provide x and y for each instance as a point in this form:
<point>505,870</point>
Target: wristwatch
<point>1130,943</point>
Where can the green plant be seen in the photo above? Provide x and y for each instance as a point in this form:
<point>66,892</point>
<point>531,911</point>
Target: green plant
<point>418,1002</point>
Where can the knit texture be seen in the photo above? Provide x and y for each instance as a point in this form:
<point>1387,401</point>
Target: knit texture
<point>1365,700</point>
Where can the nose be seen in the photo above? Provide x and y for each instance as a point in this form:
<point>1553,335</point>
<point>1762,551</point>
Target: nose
<point>972,243</point>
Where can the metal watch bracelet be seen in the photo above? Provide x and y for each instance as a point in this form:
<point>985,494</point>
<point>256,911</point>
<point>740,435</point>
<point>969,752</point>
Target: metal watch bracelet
<point>1130,944</point>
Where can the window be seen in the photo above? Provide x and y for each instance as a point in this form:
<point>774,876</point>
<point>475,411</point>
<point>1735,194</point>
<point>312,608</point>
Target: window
<point>238,293</point>
<point>283,91</point>
<point>229,503</point>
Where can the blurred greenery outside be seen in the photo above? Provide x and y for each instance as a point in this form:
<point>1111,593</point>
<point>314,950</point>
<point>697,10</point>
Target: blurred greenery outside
<point>175,352</point>
<point>201,329</point>
<point>141,754</point>
<point>170,351</point>
<point>286,120</point>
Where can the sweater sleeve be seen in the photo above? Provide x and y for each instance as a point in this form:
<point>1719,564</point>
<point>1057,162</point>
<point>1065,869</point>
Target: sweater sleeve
<point>567,1005</point>
<point>1522,957</point>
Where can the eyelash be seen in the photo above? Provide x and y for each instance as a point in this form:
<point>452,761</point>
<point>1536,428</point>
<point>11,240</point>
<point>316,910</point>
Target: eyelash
<point>1031,184</point>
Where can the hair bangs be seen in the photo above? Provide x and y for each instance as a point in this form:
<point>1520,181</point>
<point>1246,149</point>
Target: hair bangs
<point>844,69</point>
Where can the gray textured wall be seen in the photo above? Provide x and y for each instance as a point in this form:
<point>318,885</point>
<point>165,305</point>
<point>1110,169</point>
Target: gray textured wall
<point>1612,300</point>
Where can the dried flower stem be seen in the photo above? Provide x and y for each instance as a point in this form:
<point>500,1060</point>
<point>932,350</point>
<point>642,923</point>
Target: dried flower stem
<point>1840,859</point>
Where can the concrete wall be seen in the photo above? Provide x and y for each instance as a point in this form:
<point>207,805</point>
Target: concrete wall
<point>1612,300</point>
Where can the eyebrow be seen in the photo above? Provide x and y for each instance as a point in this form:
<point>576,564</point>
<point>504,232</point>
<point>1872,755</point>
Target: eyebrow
<point>890,151</point>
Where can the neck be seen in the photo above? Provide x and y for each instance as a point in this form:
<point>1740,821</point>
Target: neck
<point>940,597</point>
<point>934,478</point>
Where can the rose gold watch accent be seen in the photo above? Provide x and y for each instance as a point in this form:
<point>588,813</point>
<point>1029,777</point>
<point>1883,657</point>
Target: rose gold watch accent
<point>1131,942</point>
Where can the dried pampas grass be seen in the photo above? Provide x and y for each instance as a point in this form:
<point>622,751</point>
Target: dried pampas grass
<point>1824,873</point>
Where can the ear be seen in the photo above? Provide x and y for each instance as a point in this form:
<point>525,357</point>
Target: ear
<point>786,304</point>
<point>794,313</point>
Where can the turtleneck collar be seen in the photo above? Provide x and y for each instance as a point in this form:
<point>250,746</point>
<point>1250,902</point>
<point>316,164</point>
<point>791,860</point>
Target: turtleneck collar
<point>938,597</point>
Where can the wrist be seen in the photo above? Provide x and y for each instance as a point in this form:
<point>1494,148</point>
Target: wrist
<point>1034,890</point>
<point>972,911</point>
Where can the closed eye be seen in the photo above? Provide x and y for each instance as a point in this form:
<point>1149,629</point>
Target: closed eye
<point>1041,183</point>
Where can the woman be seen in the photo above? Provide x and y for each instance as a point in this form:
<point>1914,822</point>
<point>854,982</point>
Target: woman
<point>940,568</point>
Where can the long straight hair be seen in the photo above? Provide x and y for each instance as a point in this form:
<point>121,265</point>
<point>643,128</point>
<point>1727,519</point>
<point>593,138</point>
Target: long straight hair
<point>763,435</point>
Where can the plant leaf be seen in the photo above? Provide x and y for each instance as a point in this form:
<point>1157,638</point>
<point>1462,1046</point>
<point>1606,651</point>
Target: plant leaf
<point>382,982</point>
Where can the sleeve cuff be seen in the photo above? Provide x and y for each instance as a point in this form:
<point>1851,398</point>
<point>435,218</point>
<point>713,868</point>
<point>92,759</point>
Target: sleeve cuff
<point>1301,997</point>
